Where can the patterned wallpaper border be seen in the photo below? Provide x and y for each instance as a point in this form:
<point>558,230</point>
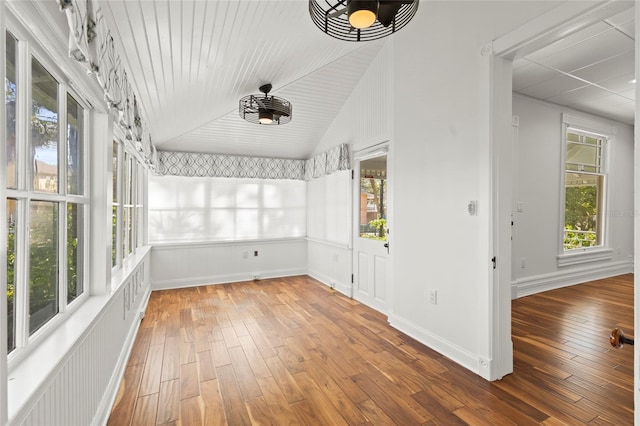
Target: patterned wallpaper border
<point>217,165</point>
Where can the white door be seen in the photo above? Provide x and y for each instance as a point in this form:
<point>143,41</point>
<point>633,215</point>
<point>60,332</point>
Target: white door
<point>371,270</point>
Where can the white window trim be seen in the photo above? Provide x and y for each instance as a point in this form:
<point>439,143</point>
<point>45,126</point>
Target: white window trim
<point>586,254</point>
<point>28,48</point>
<point>137,200</point>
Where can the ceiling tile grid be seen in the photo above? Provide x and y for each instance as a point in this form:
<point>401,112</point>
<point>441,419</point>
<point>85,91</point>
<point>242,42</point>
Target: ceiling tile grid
<point>591,70</point>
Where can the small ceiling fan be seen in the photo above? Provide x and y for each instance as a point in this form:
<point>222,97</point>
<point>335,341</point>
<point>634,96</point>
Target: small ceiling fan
<point>265,110</point>
<point>361,20</point>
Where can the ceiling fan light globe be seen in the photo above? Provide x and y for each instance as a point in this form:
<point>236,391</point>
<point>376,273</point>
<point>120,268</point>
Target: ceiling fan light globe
<point>265,117</point>
<point>362,19</point>
<point>362,13</point>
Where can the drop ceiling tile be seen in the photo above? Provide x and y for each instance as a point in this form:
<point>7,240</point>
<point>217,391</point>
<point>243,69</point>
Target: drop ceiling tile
<point>579,95</point>
<point>629,29</point>
<point>611,67</point>
<point>618,84</point>
<point>622,17</point>
<point>605,101</point>
<point>629,94</point>
<point>623,112</point>
<point>552,87</point>
<point>531,74</point>
<point>590,51</point>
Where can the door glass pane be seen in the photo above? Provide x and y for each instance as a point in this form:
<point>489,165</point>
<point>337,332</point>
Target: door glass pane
<point>373,198</point>
<point>11,272</point>
<point>75,148</point>
<point>10,93</point>
<point>43,263</point>
<point>44,129</point>
<point>75,225</point>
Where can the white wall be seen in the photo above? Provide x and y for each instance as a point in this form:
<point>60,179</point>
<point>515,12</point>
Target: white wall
<point>329,230</point>
<point>364,120</point>
<point>193,264</point>
<point>440,145</point>
<point>537,187</point>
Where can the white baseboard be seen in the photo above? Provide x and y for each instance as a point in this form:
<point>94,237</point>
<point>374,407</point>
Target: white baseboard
<point>337,285</point>
<point>459,355</point>
<point>224,278</point>
<point>544,282</point>
<point>108,398</point>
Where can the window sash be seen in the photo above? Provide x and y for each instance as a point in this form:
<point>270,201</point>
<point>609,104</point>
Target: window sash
<point>23,198</point>
<point>584,190</point>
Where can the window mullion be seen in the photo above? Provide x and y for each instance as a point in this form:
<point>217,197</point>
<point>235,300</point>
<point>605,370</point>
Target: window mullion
<point>62,190</point>
<point>62,257</point>
<point>22,274</point>
<point>119,206</point>
<point>23,114</point>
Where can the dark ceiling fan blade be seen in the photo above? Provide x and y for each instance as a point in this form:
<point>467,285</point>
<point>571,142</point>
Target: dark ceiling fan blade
<point>387,10</point>
<point>337,13</point>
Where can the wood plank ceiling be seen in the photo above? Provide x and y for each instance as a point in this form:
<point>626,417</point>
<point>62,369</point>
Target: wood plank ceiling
<point>191,61</point>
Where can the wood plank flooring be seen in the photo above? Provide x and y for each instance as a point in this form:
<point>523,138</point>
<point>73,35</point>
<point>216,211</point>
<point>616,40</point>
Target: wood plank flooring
<point>294,352</point>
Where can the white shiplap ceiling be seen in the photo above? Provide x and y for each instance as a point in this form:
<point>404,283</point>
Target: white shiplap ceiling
<point>191,61</point>
<point>591,70</point>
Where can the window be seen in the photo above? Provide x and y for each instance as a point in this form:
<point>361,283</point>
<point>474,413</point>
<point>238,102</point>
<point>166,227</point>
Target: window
<point>115,209</point>
<point>204,209</point>
<point>46,200</point>
<point>127,203</point>
<point>584,189</point>
<point>10,90</point>
<point>373,198</point>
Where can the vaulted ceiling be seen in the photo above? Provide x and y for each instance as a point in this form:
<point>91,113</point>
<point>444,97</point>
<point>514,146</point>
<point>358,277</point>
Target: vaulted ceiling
<point>191,61</point>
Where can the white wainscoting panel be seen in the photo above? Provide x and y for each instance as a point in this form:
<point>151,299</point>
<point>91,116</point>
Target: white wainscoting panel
<point>187,265</point>
<point>73,376</point>
<point>330,263</point>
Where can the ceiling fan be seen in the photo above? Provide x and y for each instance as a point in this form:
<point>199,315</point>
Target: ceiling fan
<point>266,110</point>
<point>361,20</point>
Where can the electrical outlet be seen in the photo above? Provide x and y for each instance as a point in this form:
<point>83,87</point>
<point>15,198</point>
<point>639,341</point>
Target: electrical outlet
<point>433,296</point>
<point>523,263</point>
<point>255,253</point>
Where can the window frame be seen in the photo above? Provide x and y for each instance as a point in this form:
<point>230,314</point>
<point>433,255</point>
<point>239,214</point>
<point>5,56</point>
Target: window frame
<point>602,251</point>
<point>130,171</point>
<point>28,50</point>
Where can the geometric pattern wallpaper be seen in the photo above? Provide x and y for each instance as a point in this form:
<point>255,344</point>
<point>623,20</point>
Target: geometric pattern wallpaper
<point>217,165</point>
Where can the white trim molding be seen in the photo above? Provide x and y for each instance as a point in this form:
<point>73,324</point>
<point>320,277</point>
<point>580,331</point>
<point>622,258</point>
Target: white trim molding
<point>459,355</point>
<point>551,281</point>
<point>577,257</point>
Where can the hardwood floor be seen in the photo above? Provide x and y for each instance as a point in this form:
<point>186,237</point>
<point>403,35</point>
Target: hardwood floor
<point>293,351</point>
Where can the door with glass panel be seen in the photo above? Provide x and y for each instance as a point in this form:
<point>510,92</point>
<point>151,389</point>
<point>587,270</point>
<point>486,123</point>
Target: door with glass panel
<point>371,270</point>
